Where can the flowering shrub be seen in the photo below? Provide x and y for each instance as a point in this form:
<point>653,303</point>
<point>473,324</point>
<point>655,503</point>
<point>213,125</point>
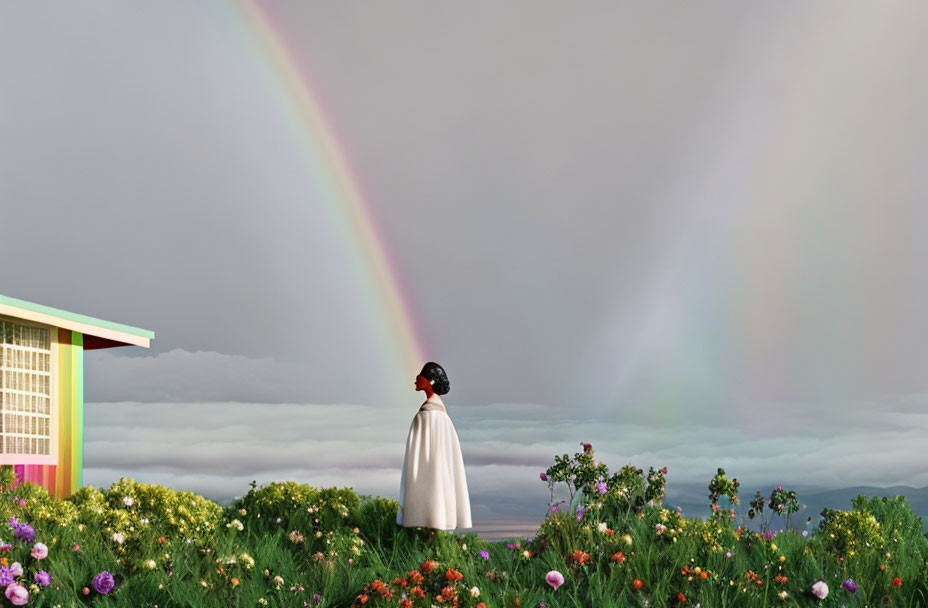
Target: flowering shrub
<point>848,533</point>
<point>720,486</point>
<point>431,584</point>
<point>783,503</point>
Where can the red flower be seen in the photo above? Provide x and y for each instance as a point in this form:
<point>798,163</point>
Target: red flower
<point>428,566</point>
<point>681,598</point>
<point>587,447</point>
<point>897,582</point>
<point>637,584</point>
<point>448,593</point>
<point>417,591</point>
<point>400,582</point>
<point>406,604</point>
<point>415,577</point>
<point>362,598</point>
<point>453,575</point>
<point>618,557</point>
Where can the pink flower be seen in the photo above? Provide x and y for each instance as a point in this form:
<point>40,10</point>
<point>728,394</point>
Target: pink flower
<point>820,589</point>
<point>17,594</point>
<point>39,551</point>
<point>728,555</point>
<point>76,547</point>
<point>543,476</point>
<point>555,579</point>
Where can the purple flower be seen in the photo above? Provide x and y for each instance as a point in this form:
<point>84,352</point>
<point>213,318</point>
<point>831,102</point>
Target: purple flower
<point>543,476</point>
<point>556,506</point>
<point>768,535</point>
<point>25,532</point>
<point>22,502</point>
<point>316,598</point>
<point>601,486</point>
<point>850,585</point>
<point>6,576</point>
<point>580,510</point>
<point>805,533</point>
<point>779,487</point>
<point>484,555</point>
<point>679,510</point>
<point>104,582</point>
<point>14,523</point>
<point>43,578</point>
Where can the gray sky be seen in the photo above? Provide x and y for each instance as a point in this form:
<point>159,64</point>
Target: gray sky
<point>691,235</point>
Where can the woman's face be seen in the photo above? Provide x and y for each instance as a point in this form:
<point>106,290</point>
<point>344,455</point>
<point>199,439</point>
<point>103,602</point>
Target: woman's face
<point>422,383</point>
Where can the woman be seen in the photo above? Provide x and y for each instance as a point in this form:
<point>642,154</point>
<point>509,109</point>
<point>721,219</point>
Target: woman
<point>433,488</point>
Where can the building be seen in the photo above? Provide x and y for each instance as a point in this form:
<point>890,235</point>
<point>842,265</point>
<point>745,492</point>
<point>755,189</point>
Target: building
<point>42,388</point>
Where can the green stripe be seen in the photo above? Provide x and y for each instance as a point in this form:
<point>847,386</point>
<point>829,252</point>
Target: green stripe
<point>73,316</point>
<point>77,410</point>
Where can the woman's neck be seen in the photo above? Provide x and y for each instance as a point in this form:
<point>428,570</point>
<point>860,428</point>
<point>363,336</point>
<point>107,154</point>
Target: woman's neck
<point>435,398</point>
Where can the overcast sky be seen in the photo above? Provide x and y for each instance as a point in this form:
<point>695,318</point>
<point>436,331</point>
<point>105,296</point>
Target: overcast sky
<point>692,235</point>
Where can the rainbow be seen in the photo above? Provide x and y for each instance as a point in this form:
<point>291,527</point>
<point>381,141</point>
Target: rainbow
<point>374,263</point>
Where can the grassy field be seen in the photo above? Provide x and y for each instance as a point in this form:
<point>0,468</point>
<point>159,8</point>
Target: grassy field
<point>611,542</point>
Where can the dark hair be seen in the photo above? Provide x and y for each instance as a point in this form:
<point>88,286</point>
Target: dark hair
<point>433,371</point>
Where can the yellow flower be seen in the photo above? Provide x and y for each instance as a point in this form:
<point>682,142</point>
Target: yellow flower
<point>782,558</point>
<point>628,539</point>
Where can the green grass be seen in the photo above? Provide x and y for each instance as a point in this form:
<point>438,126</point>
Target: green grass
<point>203,554</point>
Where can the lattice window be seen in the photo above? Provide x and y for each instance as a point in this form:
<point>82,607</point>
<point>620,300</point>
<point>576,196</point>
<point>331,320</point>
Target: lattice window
<point>25,389</point>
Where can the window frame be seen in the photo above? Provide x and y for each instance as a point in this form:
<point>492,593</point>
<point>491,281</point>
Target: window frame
<point>55,399</point>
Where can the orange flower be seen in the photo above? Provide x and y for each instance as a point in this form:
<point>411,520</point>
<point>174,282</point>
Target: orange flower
<point>703,575</point>
<point>481,605</point>
<point>415,577</point>
<point>453,575</point>
<point>609,531</point>
<point>618,557</point>
<point>234,581</point>
<point>4,561</point>
<point>681,598</point>
<point>882,568</point>
<point>637,584</point>
<point>517,601</point>
<point>448,593</point>
<point>428,566</point>
<point>417,591</point>
<point>161,540</point>
<point>362,598</point>
<point>400,582</point>
<point>578,557</point>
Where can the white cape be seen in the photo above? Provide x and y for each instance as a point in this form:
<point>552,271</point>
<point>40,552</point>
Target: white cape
<point>433,487</point>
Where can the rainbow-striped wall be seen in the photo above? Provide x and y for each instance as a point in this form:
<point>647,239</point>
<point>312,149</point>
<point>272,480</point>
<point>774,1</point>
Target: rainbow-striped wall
<point>63,479</point>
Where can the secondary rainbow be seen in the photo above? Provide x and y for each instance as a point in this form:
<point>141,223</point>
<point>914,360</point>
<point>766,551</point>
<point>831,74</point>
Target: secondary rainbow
<point>399,336</point>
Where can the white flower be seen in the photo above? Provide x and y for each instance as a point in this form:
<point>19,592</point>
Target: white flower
<point>474,592</point>
<point>119,537</point>
<point>820,589</point>
<point>128,501</point>
<point>17,569</point>
<point>151,564</point>
<point>660,528</point>
<point>602,526</point>
<point>236,524</point>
